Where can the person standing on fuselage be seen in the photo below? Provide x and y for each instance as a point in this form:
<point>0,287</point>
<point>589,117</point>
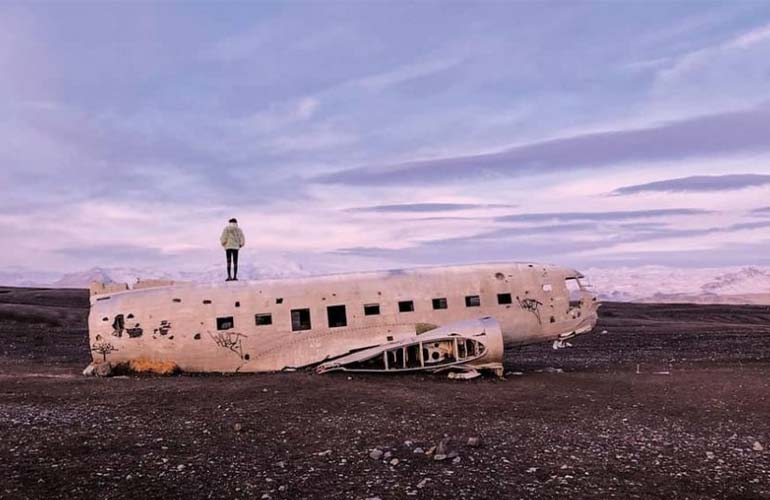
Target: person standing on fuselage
<point>232,240</point>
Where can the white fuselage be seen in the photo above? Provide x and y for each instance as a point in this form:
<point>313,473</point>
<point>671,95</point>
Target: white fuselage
<point>277,324</point>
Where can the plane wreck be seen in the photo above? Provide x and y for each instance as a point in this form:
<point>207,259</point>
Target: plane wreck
<point>456,319</point>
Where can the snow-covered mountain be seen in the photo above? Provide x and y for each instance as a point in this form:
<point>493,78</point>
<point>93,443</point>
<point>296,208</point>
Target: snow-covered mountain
<point>210,274</point>
<point>746,280</point>
<point>629,284</point>
<point>668,284</point>
<point>22,277</point>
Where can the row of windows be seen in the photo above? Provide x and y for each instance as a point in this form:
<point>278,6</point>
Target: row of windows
<point>337,316</point>
<point>439,303</point>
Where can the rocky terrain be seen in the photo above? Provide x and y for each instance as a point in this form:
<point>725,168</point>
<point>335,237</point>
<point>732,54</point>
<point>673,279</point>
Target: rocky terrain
<point>662,401</point>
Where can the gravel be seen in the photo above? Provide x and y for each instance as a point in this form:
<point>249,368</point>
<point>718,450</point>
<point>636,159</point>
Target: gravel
<point>597,429</point>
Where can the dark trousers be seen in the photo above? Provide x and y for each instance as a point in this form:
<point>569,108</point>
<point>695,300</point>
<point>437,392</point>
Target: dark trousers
<point>232,257</point>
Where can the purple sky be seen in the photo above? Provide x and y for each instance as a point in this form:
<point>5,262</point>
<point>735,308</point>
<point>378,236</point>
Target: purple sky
<point>371,135</point>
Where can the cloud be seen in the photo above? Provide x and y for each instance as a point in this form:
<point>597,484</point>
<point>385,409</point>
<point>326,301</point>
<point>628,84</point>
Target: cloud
<point>136,143</point>
<point>725,74</point>
<point>114,253</point>
<point>643,226</point>
<point>761,211</point>
<point>577,243</point>
<point>703,136</point>
<point>236,47</point>
<point>425,207</point>
<point>697,184</point>
<point>728,254</point>
<point>528,231</point>
<point>747,226</point>
<point>601,216</point>
<point>750,38</point>
<point>307,107</point>
<point>382,81</point>
<point>600,235</point>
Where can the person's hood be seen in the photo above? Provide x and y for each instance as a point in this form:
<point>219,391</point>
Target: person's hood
<point>232,224</point>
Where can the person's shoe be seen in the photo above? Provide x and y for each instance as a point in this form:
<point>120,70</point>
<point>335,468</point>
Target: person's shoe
<point>235,279</point>
<point>229,279</point>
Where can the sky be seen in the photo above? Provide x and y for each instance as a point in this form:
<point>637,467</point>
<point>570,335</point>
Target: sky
<point>365,135</point>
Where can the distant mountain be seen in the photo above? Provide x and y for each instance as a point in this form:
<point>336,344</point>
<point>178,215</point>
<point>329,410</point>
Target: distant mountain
<point>746,285</point>
<point>83,278</point>
<point>20,277</point>
<point>746,280</point>
<point>707,298</point>
<point>210,274</point>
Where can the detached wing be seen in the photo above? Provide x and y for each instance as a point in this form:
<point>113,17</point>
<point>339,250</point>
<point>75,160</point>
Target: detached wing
<point>464,345</point>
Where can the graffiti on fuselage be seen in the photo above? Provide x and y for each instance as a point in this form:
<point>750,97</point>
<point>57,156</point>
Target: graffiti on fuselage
<point>531,305</point>
<point>232,341</point>
<point>103,348</point>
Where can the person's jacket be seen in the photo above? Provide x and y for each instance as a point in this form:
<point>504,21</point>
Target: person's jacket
<point>232,237</point>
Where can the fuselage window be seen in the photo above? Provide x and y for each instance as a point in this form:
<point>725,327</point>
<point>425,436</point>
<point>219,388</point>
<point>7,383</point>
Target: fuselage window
<point>472,301</point>
<point>263,319</point>
<point>225,323</point>
<point>336,316</point>
<point>371,309</point>
<point>504,298</point>
<point>440,303</point>
<point>574,289</point>
<point>300,319</point>
<point>406,306</point>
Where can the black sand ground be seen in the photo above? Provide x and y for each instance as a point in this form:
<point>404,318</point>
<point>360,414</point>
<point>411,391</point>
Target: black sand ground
<point>671,402</point>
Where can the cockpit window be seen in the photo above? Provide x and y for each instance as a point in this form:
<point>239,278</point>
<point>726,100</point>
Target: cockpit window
<point>574,288</point>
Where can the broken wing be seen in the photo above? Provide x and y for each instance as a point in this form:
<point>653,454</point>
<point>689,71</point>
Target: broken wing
<point>464,345</point>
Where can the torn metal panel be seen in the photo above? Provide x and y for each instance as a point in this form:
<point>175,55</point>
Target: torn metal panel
<point>465,375</point>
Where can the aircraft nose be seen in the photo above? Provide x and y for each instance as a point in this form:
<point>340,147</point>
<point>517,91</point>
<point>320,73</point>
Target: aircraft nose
<point>591,305</point>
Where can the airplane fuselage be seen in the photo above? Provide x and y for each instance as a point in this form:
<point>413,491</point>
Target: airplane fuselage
<point>273,325</point>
